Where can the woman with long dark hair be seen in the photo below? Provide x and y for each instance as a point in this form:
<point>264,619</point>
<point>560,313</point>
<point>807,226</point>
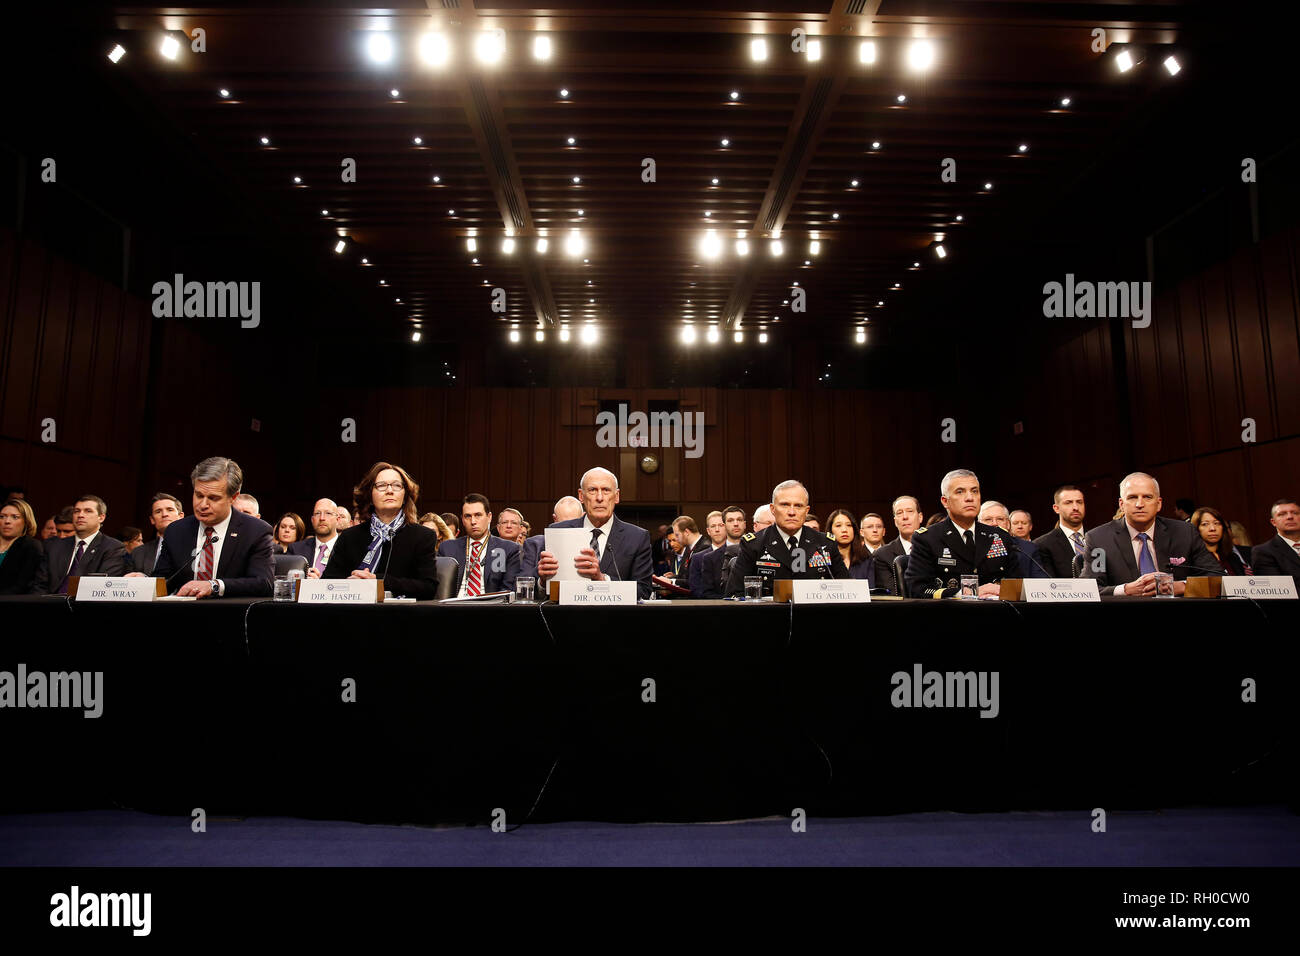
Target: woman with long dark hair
<point>843,530</point>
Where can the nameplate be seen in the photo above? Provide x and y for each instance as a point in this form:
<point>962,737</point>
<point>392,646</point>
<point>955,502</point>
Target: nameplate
<point>340,591</point>
<point>830,592</point>
<point>1268,586</point>
<point>1060,590</point>
<point>89,588</point>
<point>603,593</point>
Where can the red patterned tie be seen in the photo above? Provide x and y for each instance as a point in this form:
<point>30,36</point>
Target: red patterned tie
<point>475,571</point>
<point>205,560</point>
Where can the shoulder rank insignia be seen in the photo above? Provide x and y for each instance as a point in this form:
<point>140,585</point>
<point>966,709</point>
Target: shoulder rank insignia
<point>919,530</point>
<point>750,536</point>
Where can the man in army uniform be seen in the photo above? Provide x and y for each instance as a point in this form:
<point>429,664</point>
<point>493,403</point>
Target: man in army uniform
<point>959,545</point>
<point>786,550</point>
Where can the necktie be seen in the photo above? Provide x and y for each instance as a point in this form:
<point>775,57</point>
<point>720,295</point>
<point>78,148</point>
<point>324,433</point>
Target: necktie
<point>1297,547</point>
<point>969,538</point>
<point>595,545</point>
<point>72,568</point>
<point>320,560</point>
<point>475,587</point>
<point>205,560</point>
<point>1077,540</point>
<point>1145,564</point>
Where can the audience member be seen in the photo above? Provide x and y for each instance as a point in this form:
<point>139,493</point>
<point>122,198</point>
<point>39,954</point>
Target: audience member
<point>163,510</point>
<point>20,549</point>
<point>288,532</point>
<point>87,552</point>
<point>850,549</point>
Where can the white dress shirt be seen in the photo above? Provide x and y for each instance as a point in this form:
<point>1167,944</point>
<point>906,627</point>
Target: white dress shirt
<point>588,527</point>
<point>315,552</point>
<point>84,550</point>
<point>469,557</point>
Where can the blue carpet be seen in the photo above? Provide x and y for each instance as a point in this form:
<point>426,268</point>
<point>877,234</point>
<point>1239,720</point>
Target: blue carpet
<point>1255,836</point>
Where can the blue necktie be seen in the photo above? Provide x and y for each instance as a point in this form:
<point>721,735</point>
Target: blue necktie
<point>1145,564</point>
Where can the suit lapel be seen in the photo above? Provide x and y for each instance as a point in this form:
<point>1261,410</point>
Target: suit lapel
<point>1160,538</point>
<point>228,546</point>
<point>608,564</point>
<point>1120,530</point>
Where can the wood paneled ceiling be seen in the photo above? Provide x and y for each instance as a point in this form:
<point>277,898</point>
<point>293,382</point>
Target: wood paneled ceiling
<point>792,153</point>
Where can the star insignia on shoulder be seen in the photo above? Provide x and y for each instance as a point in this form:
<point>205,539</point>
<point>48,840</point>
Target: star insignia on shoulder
<point>919,530</point>
<point>750,536</point>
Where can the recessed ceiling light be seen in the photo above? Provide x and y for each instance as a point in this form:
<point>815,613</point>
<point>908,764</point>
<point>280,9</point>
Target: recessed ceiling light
<point>1124,60</point>
<point>854,184</point>
<point>713,335</point>
<point>170,47</point>
<point>451,212</point>
<point>490,46</point>
<point>224,92</point>
<point>735,94</point>
<point>265,141</point>
<point>508,246</point>
<point>814,50</point>
<point>715,180</point>
<point>988,186</point>
<point>542,243</point>
<point>708,213</point>
<point>1172,65</point>
<point>762,338</point>
<point>297,179</point>
<point>959,217</point>
<point>564,334</point>
<point>835,215</point>
<point>564,94</point>
<point>920,55</point>
<point>437,179</point>
<point>471,244</point>
<point>726,142</point>
<point>867,52</point>
<point>875,144</point>
<point>589,335</point>
<point>776,247</point>
<point>688,334</point>
<point>757,50</point>
<point>340,246</point>
<point>365,262</point>
<point>324,212</point>
<point>418,141</point>
<point>1065,101</point>
<point>380,47</point>
<point>742,249</point>
<point>435,50</point>
<point>580,212</point>
<point>514,335</point>
<point>394,92</point>
<point>576,180</point>
<point>814,247</point>
<point>541,48</point>
<point>572,140</point>
<point>539,336</point>
<point>1023,147</point>
<point>902,97</point>
<point>415,336</point>
<point>116,53</point>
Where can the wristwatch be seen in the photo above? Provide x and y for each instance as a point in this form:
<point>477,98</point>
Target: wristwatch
<point>218,588</point>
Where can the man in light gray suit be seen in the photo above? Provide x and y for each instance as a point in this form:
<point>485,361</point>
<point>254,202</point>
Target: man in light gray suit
<point>1125,554</point>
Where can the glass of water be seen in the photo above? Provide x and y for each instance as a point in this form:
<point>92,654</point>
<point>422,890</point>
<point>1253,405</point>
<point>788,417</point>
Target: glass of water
<point>1164,584</point>
<point>753,587</point>
<point>283,589</point>
<point>524,588</point>
<point>970,587</point>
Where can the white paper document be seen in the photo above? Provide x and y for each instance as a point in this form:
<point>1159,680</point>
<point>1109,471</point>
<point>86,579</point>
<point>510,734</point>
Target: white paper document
<point>565,543</point>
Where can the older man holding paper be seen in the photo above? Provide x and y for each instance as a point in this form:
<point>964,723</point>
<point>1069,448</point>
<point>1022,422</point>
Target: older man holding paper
<point>613,550</point>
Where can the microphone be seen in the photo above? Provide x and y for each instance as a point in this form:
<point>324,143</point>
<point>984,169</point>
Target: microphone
<point>1015,549</point>
<point>188,563</point>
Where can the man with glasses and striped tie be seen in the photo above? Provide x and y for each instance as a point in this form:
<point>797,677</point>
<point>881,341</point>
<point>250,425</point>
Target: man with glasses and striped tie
<point>318,548</point>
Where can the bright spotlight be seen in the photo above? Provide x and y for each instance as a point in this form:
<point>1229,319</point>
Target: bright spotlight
<point>776,247</point>
<point>688,334</point>
<point>508,245</point>
<point>490,46</point>
<point>542,244</point>
<point>589,335</point>
<point>340,246</point>
<point>435,50</point>
<point>170,47</point>
<point>541,48</point>
<point>1172,65</point>
<point>514,335</point>
<point>920,55</point>
<point>573,245</point>
<point>861,336</point>
<point>742,247</point>
<point>116,53</point>
<point>867,52</point>
<point>758,49</point>
<point>1124,60</point>
<point>814,50</point>
<point>713,335</point>
<point>710,245</point>
<point>380,47</point>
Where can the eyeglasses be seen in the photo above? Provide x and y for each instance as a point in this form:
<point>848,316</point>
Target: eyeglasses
<point>388,486</point>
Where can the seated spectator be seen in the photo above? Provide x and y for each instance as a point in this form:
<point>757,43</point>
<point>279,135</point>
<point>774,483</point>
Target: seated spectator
<point>1214,532</point>
<point>934,519</point>
<point>20,549</point>
<point>452,522</point>
<point>1280,554</point>
<point>49,529</point>
<point>852,551</point>
<point>289,530</point>
<point>131,538</point>
<point>87,551</point>
<point>433,521</point>
<point>248,505</point>
<point>387,541</point>
<point>813,522</point>
<point>63,523</point>
<point>1241,541</point>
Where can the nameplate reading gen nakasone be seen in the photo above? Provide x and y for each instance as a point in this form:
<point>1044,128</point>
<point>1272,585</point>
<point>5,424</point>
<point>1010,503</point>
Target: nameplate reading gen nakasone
<point>603,593</point>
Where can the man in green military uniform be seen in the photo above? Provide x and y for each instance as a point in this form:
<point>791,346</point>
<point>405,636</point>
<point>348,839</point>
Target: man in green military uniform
<point>786,550</point>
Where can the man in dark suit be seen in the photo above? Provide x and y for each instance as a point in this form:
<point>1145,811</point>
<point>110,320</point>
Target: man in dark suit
<point>565,509</point>
<point>318,547</point>
<point>1125,554</point>
<point>694,544</point>
<point>1061,551</point>
<point>959,544</point>
<point>787,550</point>
<point>163,510</point>
<point>908,519</point>
<point>217,551</point>
<point>995,513</point>
<point>706,569</point>
<point>618,551</point>
<point>1280,554</point>
<point>486,563</point>
<point>88,551</point>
